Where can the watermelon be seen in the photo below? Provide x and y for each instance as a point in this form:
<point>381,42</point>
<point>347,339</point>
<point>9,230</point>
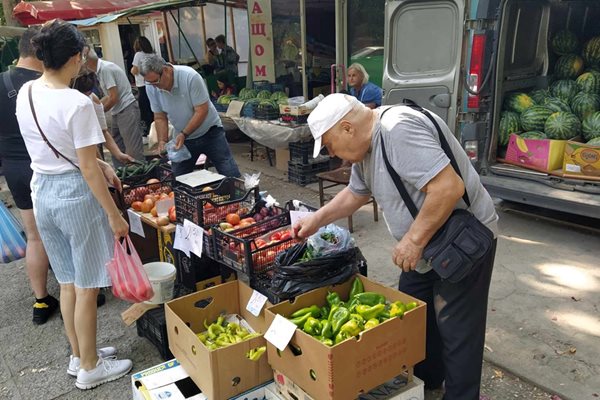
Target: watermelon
<point>534,118</point>
<point>591,51</point>
<point>509,123</point>
<point>247,94</point>
<point>264,95</point>
<point>569,66</point>
<point>226,99</point>
<point>594,142</point>
<point>591,126</point>
<point>518,102</point>
<point>555,104</point>
<point>539,95</point>
<point>564,90</point>
<point>278,95</point>
<point>533,135</point>
<point>564,42</point>
<point>562,126</point>
<point>589,82</point>
<point>584,104</point>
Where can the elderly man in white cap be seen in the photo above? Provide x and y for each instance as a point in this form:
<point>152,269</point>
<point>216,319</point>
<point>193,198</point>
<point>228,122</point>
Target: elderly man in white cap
<point>456,312</point>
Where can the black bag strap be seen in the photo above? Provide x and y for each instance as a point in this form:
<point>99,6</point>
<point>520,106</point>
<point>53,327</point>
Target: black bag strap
<point>10,88</point>
<point>57,153</point>
<point>410,204</point>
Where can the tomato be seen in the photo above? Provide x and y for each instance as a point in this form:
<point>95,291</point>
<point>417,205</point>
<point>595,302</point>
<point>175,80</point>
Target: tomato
<point>260,243</point>
<point>248,220</point>
<point>147,205</point>
<point>233,219</point>
<point>137,205</point>
<point>275,236</point>
<point>285,236</point>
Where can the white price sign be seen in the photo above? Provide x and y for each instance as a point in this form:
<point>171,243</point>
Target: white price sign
<point>256,303</point>
<point>280,332</point>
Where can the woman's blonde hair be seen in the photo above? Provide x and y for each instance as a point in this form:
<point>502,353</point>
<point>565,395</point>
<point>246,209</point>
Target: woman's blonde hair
<point>362,70</point>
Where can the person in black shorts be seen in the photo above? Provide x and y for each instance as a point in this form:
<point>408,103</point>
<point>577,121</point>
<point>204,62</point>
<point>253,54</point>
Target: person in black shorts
<point>18,173</point>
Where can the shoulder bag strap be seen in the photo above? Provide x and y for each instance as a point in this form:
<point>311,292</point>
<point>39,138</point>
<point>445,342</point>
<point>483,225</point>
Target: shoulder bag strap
<point>444,144</point>
<point>10,88</point>
<point>57,153</point>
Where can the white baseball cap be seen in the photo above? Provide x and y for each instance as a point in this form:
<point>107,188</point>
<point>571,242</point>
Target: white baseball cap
<point>328,112</point>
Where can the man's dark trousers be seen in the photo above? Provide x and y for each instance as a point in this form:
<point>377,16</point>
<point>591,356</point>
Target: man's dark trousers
<point>456,319</point>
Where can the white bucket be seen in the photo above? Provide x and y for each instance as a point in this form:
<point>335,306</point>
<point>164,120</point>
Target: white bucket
<point>162,278</point>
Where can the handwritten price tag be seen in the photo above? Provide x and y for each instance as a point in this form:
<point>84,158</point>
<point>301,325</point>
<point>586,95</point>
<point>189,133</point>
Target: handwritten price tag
<point>280,332</point>
<point>256,303</point>
<point>194,235</point>
<point>135,223</point>
<point>181,242</point>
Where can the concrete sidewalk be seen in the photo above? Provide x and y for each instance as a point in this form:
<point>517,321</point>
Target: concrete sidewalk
<point>543,324</point>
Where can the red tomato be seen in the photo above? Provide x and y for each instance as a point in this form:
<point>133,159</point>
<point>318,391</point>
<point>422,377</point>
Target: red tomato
<point>275,236</point>
<point>285,236</point>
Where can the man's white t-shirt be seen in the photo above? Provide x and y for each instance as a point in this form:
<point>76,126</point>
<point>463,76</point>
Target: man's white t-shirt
<point>68,120</point>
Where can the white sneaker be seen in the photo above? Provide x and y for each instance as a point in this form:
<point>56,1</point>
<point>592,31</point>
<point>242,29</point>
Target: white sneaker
<point>107,370</point>
<point>74,362</point>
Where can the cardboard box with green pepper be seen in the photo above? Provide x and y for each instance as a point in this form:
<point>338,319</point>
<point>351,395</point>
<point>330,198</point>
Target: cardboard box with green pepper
<point>350,338</point>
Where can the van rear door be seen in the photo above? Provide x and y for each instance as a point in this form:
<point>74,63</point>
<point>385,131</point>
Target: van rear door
<point>423,54</point>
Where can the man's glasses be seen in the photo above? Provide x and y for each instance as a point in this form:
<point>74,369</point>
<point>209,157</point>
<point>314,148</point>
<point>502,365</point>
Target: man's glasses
<point>154,83</point>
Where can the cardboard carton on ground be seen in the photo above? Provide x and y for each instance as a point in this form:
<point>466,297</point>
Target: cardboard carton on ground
<point>294,110</point>
<point>224,372</point>
<point>165,381</point>
<point>282,156</point>
<point>581,160</point>
<point>267,391</point>
<point>399,388</point>
<point>539,154</point>
<point>354,366</point>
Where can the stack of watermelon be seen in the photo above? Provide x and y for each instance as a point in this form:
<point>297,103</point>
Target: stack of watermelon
<point>569,107</point>
<point>262,100</point>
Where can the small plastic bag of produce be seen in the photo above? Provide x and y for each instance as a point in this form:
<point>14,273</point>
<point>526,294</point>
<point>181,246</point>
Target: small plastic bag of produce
<point>177,155</point>
<point>329,239</point>
<point>129,279</point>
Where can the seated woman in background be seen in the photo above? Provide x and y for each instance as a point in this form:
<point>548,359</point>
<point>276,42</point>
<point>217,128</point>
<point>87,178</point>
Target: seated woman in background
<point>224,87</point>
<point>366,92</point>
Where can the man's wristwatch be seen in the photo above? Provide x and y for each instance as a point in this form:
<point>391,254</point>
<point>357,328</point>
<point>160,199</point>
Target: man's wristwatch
<point>184,133</point>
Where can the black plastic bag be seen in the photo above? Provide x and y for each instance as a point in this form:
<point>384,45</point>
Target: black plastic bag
<point>291,279</point>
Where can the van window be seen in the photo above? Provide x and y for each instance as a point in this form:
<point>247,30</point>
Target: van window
<point>523,36</point>
<point>430,34</point>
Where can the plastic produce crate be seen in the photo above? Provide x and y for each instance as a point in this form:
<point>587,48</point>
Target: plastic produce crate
<point>261,85</point>
<point>153,326</point>
<point>265,112</point>
<point>250,250</point>
<point>303,174</point>
<point>193,269</point>
<point>136,192</point>
<point>220,107</point>
<point>207,207</point>
<point>301,152</point>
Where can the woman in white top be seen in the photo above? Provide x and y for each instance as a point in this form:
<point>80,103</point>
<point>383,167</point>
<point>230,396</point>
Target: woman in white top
<point>143,49</point>
<point>75,214</point>
<point>85,84</point>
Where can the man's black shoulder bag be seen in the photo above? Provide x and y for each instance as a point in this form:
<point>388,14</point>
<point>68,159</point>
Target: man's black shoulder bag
<point>461,243</point>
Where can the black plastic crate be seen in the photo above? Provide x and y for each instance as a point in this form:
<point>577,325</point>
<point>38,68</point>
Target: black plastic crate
<point>153,326</point>
<point>193,269</point>
<point>303,174</point>
<point>208,207</point>
<point>265,112</point>
<point>301,152</point>
<point>261,85</point>
<point>252,250</point>
<point>220,107</point>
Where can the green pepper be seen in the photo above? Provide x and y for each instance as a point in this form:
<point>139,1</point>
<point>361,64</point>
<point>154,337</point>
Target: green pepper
<point>372,323</point>
<point>215,330</point>
<point>326,329</point>
<point>397,309</point>
<point>349,329</point>
<point>357,287</point>
<point>255,354</point>
<point>312,326</point>
<point>340,316</point>
<point>211,345</point>
<point>384,315</point>
<point>357,317</point>
<point>352,305</point>
<point>411,305</point>
<point>333,299</point>
<point>313,310</point>
<point>325,311</point>
<point>332,311</point>
<point>222,342</point>
<point>299,321</point>
<point>370,298</point>
<point>368,312</point>
<point>325,341</point>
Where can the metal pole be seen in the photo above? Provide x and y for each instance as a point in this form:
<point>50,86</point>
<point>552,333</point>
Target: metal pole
<point>233,28</point>
<point>184,38</point>
<point>303,48</point>
<point>168,37</point>
<point>203,29</point>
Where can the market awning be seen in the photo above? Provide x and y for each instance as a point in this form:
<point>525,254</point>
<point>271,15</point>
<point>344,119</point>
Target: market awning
<point>38,12</point>
<point>163,5</point>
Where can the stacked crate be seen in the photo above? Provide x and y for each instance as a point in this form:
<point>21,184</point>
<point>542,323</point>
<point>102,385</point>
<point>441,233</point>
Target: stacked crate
<point>302,167</point>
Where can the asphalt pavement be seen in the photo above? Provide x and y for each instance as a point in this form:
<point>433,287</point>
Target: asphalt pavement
<point>543,333</point>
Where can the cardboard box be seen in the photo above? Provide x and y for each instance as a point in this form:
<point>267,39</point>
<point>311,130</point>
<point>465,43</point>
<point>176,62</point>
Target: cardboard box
<point>168,380</point>
<point>267,391</point>
<point>399,388</point>
<point>224,372</point>
<point>539,154</point>
<point>282,156</point>
<point>581,160</point>
<point>294,110</point>
<point>354,366</point>
<point>166,236</point>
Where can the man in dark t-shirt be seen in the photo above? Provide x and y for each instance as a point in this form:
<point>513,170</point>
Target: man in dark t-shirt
<point>17,170</point>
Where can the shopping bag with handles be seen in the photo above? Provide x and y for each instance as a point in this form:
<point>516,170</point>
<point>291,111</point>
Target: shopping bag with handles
<point>129,279</point>
<point>12,241</point>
